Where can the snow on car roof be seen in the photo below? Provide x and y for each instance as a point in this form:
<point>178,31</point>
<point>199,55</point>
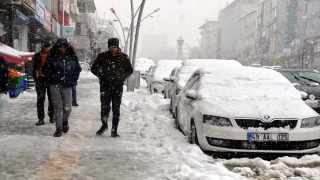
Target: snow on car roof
<point>213,62</point>
<point>142,67</point>
<point>144,61</point>
<point>246,83</point>
<point>190,66</point>
<point>164,68</point>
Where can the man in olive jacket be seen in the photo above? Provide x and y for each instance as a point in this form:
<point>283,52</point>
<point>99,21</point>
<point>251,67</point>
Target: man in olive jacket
<point>112,68</point>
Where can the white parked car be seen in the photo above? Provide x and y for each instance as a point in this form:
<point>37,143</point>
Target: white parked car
<point>187,69</point>
<point>155,82</point>
<point>169,81</point>
<point>84,66</point>
<point>143,65</point>
<point>246,109</point>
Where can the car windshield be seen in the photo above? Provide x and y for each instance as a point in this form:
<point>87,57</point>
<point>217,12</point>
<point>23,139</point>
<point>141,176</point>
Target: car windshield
<point>302,77</point>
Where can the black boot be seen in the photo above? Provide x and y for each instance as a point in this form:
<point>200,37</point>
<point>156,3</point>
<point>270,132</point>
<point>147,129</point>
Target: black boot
<point>51,119</point>
<point>114,133</point>
<point>102,129</point>
<point>58,132</point>
<point>65,127</point>
<point>40,122</point>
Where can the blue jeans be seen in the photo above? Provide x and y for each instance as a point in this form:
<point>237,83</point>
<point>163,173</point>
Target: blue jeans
<point>74,94</point>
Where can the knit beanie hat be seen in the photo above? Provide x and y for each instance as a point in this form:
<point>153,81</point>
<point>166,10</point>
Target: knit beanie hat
<point>113,42</point>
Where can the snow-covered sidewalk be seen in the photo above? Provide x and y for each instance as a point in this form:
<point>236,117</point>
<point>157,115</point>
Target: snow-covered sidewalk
<point>150,148</point>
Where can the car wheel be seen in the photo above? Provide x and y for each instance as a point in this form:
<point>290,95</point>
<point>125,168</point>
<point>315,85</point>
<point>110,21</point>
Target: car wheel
<point>193,139</point>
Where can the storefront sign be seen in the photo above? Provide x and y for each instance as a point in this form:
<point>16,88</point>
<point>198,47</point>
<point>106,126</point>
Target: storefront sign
<point>40,11</point>
<point>21,18</point>
<point>58,29</point>
<point>48,20</point>
<point>276,56</point>
<point>286,51</point>
<point>67,31</point>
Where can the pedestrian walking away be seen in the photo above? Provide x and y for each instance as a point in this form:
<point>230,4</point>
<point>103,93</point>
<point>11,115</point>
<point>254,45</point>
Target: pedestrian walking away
<point>74,95</point>
<point>112,68</point>
<point>42,82</point>
<point>63,70</point>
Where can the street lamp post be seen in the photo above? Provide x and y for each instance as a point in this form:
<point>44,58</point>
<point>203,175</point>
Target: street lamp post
<point>124,37</point>
<point>311,41</point>
<point>134,50</point>
<point>180,44</point>
<point>132,29</point>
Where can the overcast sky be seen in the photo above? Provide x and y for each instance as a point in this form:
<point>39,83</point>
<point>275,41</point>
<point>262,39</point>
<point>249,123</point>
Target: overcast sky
<point>175,18</point>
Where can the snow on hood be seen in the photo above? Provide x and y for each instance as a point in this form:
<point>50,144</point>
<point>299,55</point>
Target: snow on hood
<point>257,108</point>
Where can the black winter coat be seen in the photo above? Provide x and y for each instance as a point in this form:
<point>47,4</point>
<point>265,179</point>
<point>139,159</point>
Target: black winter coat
<point>62,69</point>
<point>112,70</point>
<point>4,75</point>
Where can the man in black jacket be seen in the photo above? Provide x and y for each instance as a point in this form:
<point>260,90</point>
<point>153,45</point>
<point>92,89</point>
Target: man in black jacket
<point>4,76</point>
<point>112,68</point>
<point>42,82</point>
<point>63,70</point>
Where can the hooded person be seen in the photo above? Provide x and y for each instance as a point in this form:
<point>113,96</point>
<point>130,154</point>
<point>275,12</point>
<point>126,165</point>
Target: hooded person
<point>112,68</point>
<point>63,69</point>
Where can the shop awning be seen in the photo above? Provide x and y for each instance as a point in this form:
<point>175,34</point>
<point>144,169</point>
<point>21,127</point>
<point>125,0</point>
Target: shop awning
<point>13,55</point>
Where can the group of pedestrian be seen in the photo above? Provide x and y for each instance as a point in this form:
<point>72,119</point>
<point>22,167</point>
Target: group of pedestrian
<point>56,70</point>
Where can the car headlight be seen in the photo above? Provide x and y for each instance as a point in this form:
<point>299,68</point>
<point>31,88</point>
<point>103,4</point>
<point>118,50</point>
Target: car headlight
<point>310,122</point>
<point>217,121</point>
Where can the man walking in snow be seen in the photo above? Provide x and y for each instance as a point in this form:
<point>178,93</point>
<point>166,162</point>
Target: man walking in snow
<point>112,68</point>
<point>63,70</point>
<point>42,82</point>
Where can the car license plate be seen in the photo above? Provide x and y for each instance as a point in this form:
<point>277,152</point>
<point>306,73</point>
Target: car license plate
<point>264,137</point>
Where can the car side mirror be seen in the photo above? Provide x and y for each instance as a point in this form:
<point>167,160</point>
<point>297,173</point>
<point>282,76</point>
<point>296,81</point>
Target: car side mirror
<point>191,94</point>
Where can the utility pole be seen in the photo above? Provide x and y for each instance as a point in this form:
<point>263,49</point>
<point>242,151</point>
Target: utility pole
<point>130,86</point>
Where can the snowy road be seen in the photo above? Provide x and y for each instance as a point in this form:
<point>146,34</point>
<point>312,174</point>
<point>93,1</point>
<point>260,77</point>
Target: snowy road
<point>150,148</point>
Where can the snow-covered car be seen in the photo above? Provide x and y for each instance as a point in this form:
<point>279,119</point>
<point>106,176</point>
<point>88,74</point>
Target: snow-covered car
<point>150,75</point>
<point>155,82</point>
<point>168,82</point>
<point>186,70</point>
<point>307,82</point>
<point>143,65</point>
<point>248,110</point>
<point>84,66</point>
